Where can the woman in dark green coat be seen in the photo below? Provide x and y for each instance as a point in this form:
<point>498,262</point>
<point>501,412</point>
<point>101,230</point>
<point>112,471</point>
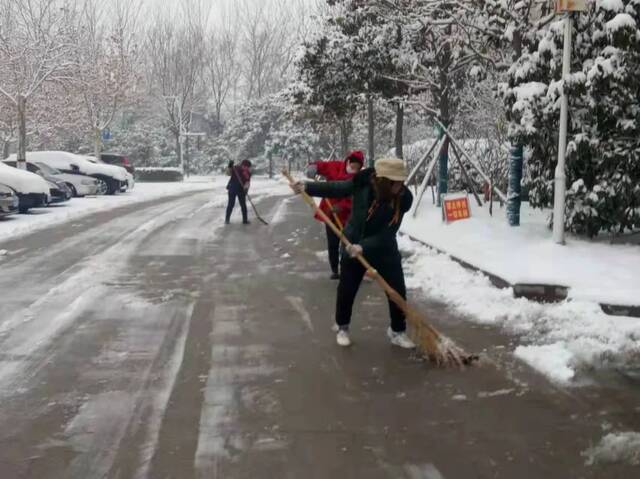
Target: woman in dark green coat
<point>380,201</point>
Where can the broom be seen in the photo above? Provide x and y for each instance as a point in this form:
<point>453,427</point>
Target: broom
<point>436,347</point>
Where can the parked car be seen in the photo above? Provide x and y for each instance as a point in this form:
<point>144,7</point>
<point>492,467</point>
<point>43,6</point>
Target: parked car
<point>114,177</point>
<point>9,201</point>
<point>130,179</point>
<point>118,160</point>
<point>32,190</point>
<point>58,191</point>
<point>80,185</point>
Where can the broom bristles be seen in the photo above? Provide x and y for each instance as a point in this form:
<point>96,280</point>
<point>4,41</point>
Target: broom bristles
<point>437,348</point>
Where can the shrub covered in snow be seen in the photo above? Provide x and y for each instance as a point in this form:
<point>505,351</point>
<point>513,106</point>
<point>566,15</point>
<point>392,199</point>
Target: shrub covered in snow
<point>603,154</point>
<point>151,174</point>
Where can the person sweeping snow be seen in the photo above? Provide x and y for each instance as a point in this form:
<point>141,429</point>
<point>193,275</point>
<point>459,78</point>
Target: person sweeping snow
<point>338,209</point>
<point>379,202</point>
<point>238,187</point>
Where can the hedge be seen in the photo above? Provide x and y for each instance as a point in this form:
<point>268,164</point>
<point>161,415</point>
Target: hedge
<point>149,174</point>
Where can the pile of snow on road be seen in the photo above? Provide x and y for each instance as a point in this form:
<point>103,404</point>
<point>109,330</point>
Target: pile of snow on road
<point>559,340</point>
<point>622,447</point>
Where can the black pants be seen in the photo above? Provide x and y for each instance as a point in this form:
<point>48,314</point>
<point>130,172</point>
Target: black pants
<point>351,274</point>
<point>333,246</point>
<point>232,202</point>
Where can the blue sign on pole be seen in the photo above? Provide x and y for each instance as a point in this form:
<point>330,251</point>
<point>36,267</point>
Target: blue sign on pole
<point>106,134</point>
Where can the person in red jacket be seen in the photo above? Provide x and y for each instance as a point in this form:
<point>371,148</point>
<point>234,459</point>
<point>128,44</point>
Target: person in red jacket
<point>339,209</point>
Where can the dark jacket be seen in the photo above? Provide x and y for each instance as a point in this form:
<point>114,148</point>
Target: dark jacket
<point>376,235</point>
<point>239,178</point>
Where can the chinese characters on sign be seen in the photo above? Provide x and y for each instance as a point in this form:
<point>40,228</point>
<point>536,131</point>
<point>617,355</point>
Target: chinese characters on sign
<point>571,5</point>
<point>454,209</point>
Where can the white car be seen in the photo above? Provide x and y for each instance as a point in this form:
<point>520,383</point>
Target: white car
<point>130,180</point>
<point>113,176</point>
<point>80,185</point>
<point>9,201</point>
<point>32,190</point>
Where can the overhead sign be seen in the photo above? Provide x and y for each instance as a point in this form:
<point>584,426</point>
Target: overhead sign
<point>106,134</point>
<point>571,6</point>
<point>455,208</point>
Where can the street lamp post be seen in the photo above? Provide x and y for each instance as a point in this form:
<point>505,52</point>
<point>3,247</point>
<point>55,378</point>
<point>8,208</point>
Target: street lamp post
<point>560,178</point>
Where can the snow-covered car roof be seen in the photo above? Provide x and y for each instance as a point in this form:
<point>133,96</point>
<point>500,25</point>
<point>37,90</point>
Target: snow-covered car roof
<point>63,160</point>
<point>22,181</point>
<point>120,169</point>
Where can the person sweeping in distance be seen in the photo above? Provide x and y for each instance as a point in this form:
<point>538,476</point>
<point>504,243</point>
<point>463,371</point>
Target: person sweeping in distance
<point>379,202</point>
<point>238,187</point>
<point>338,209</point>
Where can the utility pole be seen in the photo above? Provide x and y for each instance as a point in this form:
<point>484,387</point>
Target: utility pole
<point>560,174</point>
<point>560,179</point>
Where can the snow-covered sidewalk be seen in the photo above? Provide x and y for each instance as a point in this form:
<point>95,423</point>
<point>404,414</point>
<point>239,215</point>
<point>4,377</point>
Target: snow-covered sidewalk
<point>560,340</point>
<point>599,272</point>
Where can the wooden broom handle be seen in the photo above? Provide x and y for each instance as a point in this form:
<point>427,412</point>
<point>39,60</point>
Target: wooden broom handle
<point>335,216</point>
<point>397,298</point>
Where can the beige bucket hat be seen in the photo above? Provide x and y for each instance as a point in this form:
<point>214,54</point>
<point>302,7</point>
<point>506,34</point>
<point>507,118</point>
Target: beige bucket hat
<point>391,168</point>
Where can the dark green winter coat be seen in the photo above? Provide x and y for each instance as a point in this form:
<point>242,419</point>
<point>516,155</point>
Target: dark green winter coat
<point>377,236</point>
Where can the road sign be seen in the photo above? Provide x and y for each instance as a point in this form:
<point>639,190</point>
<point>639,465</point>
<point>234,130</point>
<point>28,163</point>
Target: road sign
<point>571,6</point>
<point>455,207</point>
<point>106,134</point>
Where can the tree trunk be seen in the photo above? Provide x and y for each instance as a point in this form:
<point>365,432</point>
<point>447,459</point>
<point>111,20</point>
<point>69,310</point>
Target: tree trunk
<point>187,158</point>
<point>270,165</point>
<point>22,133</point>
<point>445,118</point>
<point>5,148</point>
<point>443,171</point>
<point>345,131</point>
<point>372,130</point>
<point>399,130</point>
<point>178,152</point>
<point>514,199</point>
<point>97,143</point>
<point>514,193</point>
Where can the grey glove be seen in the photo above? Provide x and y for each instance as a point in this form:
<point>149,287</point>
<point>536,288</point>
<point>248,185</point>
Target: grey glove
<point>312,171</point>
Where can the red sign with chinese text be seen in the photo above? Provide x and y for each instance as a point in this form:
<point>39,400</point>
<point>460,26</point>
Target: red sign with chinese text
<point>455,209</point>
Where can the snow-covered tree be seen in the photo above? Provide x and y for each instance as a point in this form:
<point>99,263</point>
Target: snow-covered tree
<point>105,76</point>
<point>176,51</point>
<point>603,153</point>
<point>323,68</point>
<point>36,39</point>
<point>222,69</point>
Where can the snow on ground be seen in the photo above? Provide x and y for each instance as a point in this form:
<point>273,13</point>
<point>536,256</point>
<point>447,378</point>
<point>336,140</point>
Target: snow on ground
<point>39,218</point>
<point>593,271</point>
<point>559,340</point>
<point>615,448</point>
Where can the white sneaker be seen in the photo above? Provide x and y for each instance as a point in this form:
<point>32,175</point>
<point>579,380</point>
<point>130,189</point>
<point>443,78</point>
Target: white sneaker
<point>335,328</point>
<point>400,339</point>
<point>343,339</point>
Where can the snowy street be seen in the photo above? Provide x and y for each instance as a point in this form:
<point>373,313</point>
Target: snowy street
<point>152,341</point>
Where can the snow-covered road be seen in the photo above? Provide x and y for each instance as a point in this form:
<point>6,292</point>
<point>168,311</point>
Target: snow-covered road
<point>153,342</point>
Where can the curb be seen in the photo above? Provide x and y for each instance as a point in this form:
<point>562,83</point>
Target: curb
<point>541,293</point>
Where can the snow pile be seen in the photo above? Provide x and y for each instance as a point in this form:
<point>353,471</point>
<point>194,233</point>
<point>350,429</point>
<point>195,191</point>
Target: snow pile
<point>599,272</point>
<point>559,340</point>
<point>622,447</point>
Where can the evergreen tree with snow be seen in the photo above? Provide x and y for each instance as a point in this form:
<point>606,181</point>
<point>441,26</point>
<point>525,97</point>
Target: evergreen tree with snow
<point>603,153</point>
